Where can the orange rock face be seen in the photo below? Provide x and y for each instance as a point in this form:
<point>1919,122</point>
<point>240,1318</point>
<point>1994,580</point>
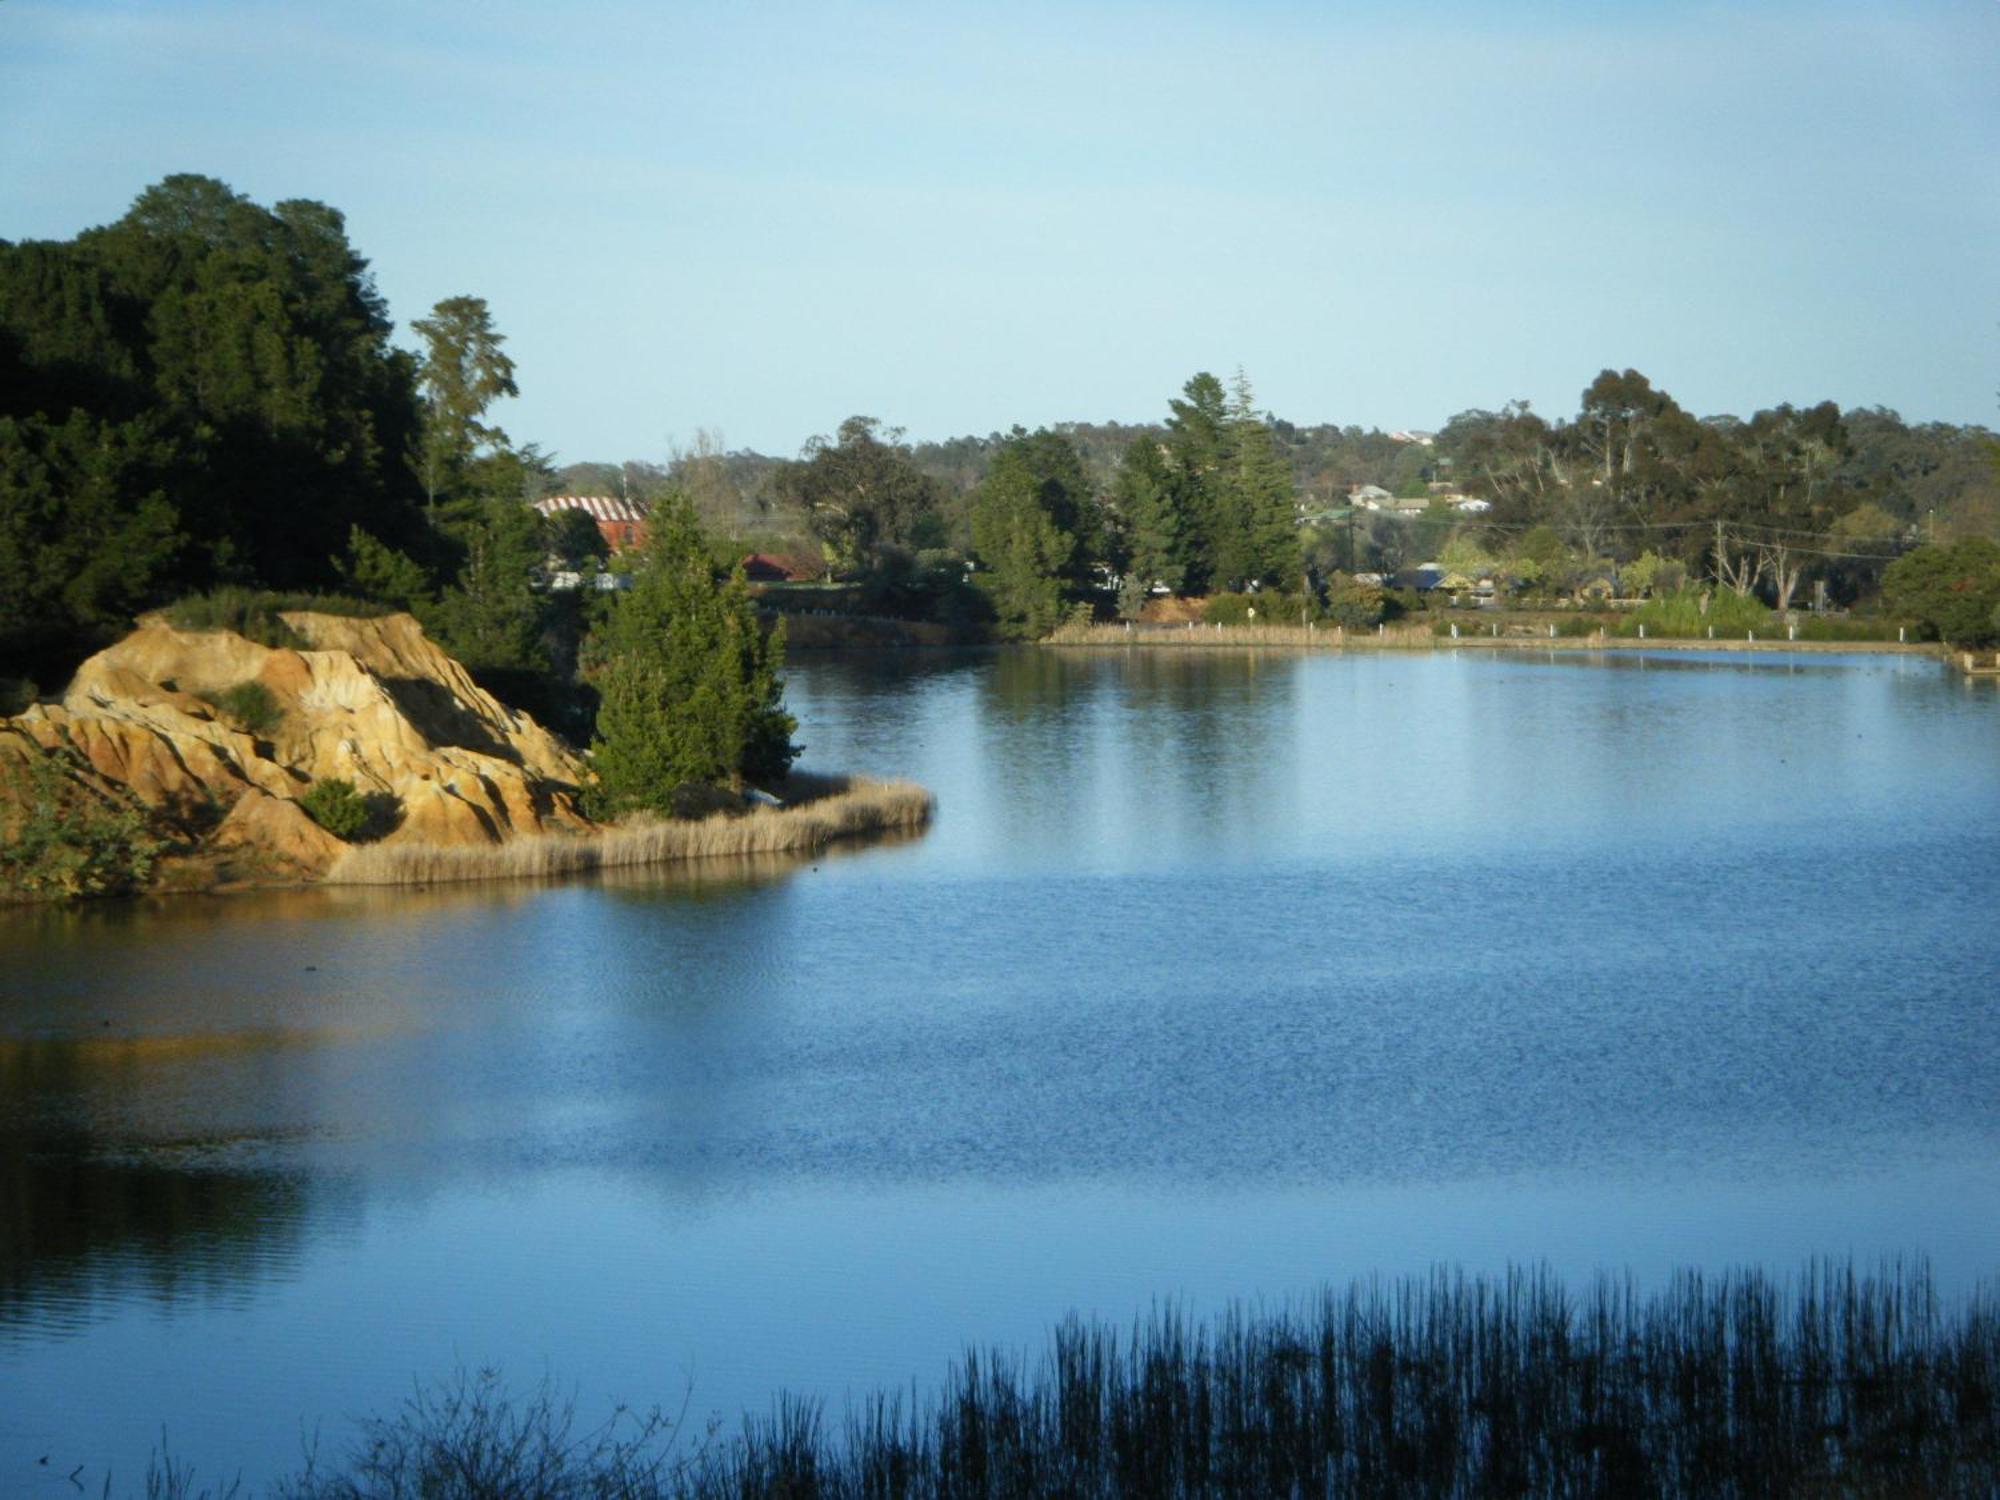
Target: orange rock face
<point>372,701</point>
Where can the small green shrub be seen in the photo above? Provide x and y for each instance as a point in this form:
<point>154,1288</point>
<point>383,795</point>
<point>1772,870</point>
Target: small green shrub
<point>347,814</point>
<point>1270,607</point>
<point>249,706</point>
<point>61,838</point>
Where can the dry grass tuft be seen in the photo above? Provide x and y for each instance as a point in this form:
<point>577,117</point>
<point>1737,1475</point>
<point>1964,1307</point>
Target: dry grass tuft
<point>832,809</point>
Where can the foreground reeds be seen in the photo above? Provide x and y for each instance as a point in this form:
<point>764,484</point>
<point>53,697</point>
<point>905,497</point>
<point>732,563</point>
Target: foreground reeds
<point>1732,1385</point>
<point>856,809</point>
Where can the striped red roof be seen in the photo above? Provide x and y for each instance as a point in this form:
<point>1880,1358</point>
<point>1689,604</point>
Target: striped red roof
<point>599,507</point>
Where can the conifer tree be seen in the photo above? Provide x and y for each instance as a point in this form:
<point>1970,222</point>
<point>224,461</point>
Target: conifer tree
<point>1259,501</point>
<point>1197,451</point>
<point>689,680</point>
<point>1033,524</point>
<point>1156,525</point>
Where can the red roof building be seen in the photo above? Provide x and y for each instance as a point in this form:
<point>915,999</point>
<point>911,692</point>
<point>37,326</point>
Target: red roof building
<point>622,523</point>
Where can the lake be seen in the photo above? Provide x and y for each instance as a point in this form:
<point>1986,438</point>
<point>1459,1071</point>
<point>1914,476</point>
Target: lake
<point>1221,975</point>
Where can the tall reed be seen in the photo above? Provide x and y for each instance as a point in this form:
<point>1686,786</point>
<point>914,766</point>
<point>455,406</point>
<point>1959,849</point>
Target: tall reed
<point>1839,1383</point>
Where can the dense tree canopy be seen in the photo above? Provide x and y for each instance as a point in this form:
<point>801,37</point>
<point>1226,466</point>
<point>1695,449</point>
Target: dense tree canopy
<point>201,392</point>
<point>861,493</point>
<point>1954,590</point>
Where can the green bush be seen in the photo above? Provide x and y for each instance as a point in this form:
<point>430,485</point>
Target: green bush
<point>1952,592</point>
<point>16,695</point>
<point>61,838</point>
<point>347,814</point>
<point>249,706</point>
<point>1355,606</point>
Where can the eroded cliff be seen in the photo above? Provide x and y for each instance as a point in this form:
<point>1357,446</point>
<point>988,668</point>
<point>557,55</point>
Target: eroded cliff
<point>164,717</point>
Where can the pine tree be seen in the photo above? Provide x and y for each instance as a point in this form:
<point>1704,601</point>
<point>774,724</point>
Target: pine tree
<point>1033,518</point>
<point>1260,504</point>
<point>1198,439</point>
<point>1156,526</point>
<point>689,680</point>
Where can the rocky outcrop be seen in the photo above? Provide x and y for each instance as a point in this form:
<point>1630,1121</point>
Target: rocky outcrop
<point>370,701</point>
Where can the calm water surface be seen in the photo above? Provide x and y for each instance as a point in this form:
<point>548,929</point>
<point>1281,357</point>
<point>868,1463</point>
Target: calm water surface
<point>1220,976</point>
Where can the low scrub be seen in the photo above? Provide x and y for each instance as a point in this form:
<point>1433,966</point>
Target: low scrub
<point>1267,608</point>
<point>257,614</point>
<point>837,811</point>
<point>62,836</point>
<point>249,706</point>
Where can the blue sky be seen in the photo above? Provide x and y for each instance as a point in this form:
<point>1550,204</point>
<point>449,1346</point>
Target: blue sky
<point>759,218</point>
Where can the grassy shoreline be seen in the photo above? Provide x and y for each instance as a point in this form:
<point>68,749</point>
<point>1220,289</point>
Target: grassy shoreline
<point>1406,638</point>
<point>842,809</point>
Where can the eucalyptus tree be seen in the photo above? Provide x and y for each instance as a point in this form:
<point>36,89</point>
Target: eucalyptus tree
<point>859,492</point>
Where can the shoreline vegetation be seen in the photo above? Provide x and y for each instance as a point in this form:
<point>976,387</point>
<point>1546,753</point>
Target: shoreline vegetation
<point>1837,1382</point>
<point>833,809</point>
<point>1473,634</point>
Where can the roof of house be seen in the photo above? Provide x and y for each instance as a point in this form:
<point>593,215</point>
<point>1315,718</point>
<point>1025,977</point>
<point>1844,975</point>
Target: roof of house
<point>600,507</point>
<point>790,564</point>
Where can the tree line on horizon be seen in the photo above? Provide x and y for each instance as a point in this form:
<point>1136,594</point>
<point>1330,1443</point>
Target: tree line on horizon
<point>204,394</point>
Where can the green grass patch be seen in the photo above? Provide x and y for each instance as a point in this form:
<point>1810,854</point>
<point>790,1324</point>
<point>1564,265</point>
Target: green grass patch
<point>1681,615</point>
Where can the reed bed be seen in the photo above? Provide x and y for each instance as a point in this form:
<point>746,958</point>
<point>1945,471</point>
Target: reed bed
<point>841,810</point>
<point>1838,1383</point>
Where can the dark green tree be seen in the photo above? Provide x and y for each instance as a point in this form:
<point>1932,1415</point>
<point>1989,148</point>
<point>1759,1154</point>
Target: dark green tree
<point>861,493</point>
<point>691,692</point>
<point>463,373</point>
<point>492,617</point>
<point>574,539</point>
<point>86,533</point>
<point>1150,508</point>
<point>1255,540</point>
<point>1953,591</point>
<point>1198,448</point>
<point>227,361</point>
<point>1027,554</point>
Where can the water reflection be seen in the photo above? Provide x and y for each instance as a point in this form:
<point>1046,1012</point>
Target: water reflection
<point>1218,971</point>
